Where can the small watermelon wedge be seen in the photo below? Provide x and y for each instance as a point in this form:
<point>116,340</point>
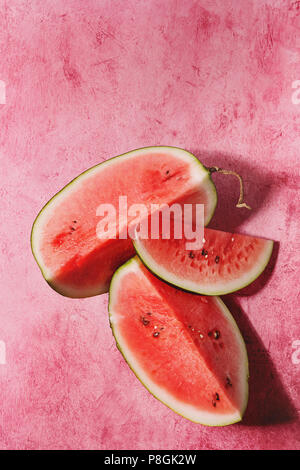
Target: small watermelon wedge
<point>185,348</point>
<point>225,263</point>
<point>73,259</point>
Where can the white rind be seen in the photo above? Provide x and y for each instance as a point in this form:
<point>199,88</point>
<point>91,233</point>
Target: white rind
<point>220,288</point>
<point>198,175</point>
<point>187,411</point>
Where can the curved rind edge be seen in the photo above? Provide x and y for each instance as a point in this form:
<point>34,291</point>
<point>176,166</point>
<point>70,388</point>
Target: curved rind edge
<point>151,265</point>
<point>64,290</point>
<point>225,422</point>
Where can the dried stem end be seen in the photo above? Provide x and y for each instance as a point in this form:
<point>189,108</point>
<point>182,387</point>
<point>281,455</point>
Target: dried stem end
<point>240,202</point>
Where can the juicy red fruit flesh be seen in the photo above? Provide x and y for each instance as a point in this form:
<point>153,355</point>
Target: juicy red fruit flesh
<point>181,340</point>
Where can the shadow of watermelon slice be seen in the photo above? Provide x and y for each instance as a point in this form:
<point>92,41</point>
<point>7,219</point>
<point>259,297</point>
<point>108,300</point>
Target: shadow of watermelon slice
<point>268,403</point>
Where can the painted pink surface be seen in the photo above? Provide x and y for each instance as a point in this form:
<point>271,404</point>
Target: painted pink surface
<point>87,80</point>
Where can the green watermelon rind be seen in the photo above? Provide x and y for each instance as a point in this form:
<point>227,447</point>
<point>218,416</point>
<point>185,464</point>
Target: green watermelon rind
<point>189,286</point>
<point>237,417</point>
<point>70,292</point>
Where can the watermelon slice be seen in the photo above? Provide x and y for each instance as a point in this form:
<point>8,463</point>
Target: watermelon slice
<point>225,263</point>
<point>72,257</point>
<point>185,348</point>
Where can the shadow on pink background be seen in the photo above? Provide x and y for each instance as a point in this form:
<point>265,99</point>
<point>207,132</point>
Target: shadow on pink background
<point>87,80</point>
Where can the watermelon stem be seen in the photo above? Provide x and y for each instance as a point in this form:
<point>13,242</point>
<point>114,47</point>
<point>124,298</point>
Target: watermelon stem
<point>240,202</point>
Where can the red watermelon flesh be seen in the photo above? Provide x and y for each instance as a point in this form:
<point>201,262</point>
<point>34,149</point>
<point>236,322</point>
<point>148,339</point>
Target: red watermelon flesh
<point>73,260</point>
<point>185,348</point>
<point>225,262</point>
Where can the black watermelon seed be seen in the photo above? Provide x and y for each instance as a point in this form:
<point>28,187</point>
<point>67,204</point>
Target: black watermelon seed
<point>217,259</point>
<point>191,254</point>
<point>217,334</point>
<point>145,321</point>
<point>228,382</point>
<point>217,397</point>
<point>204,252</point>
<point>156,334</point>
<point>214,403</point>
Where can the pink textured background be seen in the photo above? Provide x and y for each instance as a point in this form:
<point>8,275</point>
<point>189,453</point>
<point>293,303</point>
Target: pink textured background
<point>87,80</point>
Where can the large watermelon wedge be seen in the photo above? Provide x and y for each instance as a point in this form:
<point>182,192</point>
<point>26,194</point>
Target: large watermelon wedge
<point>72,258</point>
<point>185,348</point>
<point>225,263</point>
